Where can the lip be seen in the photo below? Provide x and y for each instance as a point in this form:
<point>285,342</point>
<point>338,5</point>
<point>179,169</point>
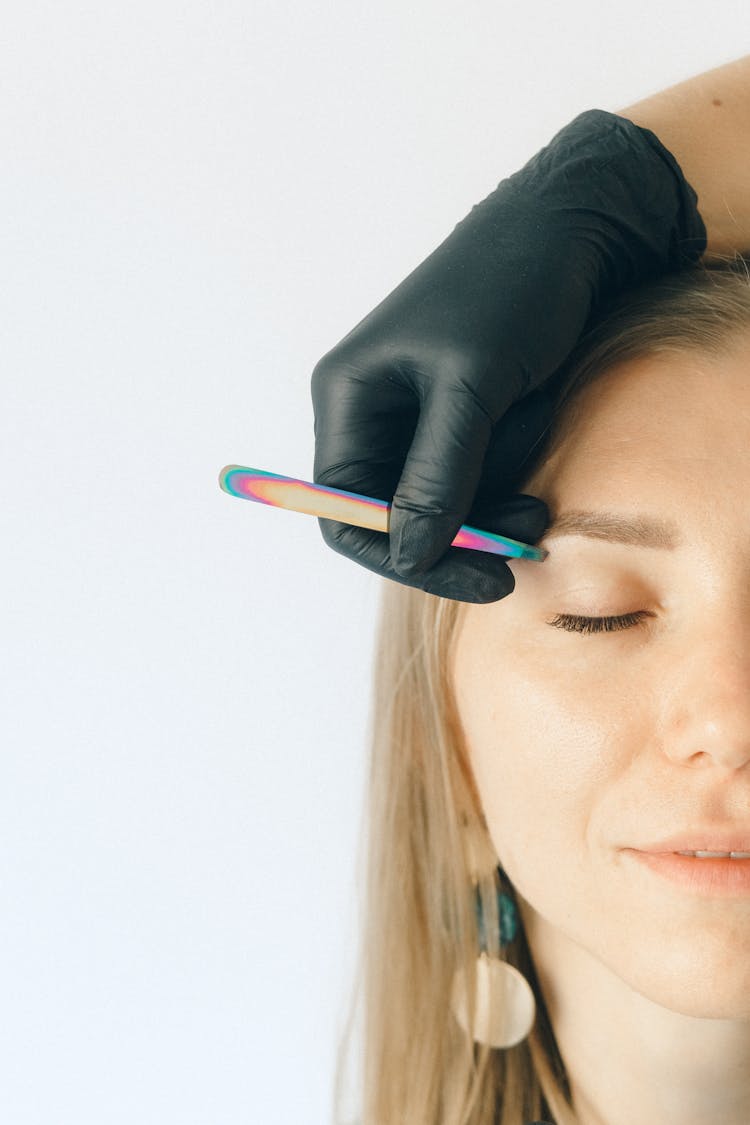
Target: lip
<point>703,840</point>
<point>724,878</point>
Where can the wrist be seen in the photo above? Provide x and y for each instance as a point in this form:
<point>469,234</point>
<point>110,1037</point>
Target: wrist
<point>613,187</point>
<point>704,122</point>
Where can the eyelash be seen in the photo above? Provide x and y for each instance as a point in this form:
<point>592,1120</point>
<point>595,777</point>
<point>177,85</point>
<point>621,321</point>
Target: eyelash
<point>574,624</point>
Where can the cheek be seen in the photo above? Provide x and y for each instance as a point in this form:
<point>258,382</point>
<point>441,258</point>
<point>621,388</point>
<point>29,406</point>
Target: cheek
<point>544,749</point>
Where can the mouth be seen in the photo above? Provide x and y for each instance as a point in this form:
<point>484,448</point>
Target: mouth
<point>711,855</point>
<point>702,840</point>
<point>722,874</point>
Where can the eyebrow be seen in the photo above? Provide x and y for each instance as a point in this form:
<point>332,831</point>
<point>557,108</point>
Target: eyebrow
<point>634,531</point>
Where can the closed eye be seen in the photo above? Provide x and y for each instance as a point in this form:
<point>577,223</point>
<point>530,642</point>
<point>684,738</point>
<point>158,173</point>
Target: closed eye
<point>575,624</point>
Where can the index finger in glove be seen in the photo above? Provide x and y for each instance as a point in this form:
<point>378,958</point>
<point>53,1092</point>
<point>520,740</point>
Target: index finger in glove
<point>440,476</point>
<point>364,423</point>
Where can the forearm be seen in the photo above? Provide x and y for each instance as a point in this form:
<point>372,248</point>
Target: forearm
<point>705,124</point>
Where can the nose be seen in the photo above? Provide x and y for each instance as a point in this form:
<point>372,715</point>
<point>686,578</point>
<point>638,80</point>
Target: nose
<point>708,696</point>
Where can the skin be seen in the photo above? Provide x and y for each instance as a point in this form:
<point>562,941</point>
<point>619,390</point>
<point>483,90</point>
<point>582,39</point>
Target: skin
<point>584,745</point>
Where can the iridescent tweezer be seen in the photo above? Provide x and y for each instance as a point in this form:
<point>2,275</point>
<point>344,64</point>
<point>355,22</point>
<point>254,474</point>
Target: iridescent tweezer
<point>350,507</point>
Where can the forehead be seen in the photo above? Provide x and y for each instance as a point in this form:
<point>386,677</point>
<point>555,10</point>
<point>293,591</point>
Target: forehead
<point>667,421</point>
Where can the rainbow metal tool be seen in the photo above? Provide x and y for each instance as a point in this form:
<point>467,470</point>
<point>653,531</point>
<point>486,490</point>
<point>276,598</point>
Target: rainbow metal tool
<point>350,507</point>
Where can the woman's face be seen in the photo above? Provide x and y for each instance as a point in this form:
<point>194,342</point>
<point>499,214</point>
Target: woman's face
<point>585,745</point>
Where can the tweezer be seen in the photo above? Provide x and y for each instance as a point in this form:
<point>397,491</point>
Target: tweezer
<point>350,507</point>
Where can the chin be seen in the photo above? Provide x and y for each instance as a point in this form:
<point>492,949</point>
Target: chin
<point>712,982</point>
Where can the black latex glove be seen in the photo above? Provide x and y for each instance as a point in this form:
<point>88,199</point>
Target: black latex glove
<point>437,396</point>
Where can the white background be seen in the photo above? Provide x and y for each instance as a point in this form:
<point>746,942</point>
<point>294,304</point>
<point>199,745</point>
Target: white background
<point>196,202</point>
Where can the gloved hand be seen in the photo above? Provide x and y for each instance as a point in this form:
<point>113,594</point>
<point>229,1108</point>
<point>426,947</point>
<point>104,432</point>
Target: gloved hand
<point>437,396</point>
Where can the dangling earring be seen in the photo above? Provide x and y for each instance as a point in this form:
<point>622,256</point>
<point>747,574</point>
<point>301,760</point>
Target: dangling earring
<point>505,1004</point>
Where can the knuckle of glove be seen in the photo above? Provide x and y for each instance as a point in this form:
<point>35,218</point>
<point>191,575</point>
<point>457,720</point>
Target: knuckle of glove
<point>419,538</point>
<point>328,373</point>
<point>337,536</point>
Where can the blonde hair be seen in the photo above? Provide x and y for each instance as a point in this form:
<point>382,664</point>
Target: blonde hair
<point>424,836</point>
